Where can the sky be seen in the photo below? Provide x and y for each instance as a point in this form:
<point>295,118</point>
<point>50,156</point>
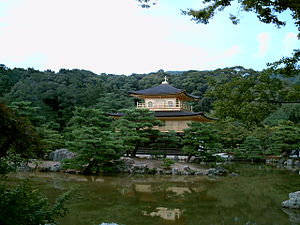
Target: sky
<point>120,37</point>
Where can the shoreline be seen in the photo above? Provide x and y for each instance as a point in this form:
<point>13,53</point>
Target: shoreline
<point>132,166</point>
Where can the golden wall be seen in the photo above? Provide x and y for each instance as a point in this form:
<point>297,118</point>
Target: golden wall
<point>177,125</point>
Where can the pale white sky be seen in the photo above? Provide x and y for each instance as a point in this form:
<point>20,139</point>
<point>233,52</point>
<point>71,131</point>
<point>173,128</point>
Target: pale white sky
<point>118,36</point>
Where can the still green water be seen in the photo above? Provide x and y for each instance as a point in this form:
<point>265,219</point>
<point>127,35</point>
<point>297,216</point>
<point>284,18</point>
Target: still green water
<point>252,198</point>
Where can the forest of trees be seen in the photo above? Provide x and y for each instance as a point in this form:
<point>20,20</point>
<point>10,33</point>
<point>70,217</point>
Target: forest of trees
<point>258,112</point>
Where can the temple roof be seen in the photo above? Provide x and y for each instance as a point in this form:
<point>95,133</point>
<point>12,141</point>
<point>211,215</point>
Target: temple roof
<point>176,113</point>
<point>161,90</point>
<point>168,114</point>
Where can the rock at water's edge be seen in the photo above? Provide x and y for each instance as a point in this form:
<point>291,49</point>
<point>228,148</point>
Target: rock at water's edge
<point>293,202</point>
<point>61,154</point>
<point>218,171</point>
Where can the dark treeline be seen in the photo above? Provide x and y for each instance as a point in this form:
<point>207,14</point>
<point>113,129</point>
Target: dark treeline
<point>57,94</point>
<point>258,116</point>
<point>258,112</point>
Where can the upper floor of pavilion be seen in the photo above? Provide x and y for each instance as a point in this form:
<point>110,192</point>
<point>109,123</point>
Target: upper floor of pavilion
<point>164,97</point>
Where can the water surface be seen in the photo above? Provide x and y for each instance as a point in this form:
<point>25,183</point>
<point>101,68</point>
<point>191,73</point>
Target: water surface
<point>252,198</point>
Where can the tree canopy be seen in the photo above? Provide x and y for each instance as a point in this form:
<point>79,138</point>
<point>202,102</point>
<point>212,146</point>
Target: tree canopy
<point>266,11</point>
<point>244,101</point>
<point>89,135</point>
<point>136,128</point>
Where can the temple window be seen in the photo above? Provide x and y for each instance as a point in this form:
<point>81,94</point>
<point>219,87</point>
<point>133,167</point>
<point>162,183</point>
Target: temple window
<point>150,104</point>
<point>170,104</point>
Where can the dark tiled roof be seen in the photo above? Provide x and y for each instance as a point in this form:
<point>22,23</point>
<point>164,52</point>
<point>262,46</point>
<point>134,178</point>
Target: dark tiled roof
<point>169,114</point>
<point>179,114</point>
<point>163,89</point>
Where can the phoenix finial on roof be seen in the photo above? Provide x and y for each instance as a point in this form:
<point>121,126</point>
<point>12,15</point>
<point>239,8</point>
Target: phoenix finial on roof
<point>165,81</point>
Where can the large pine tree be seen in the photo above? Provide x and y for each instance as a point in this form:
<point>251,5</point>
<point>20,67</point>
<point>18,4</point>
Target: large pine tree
<point>89,135</point>
<point>135,128</point>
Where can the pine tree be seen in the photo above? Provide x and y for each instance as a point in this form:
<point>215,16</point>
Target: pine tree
<point>136,128</point>
<point>166,140</point>
<point>90,137</point>
<point>201,140</point>
<point>285,138</point>
<point>26,110</point>
<point>17,135</point>
<point>251,149</point>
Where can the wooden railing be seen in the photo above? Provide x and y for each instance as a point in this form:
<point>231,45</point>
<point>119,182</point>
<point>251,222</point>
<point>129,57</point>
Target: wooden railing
<point>165,107</point>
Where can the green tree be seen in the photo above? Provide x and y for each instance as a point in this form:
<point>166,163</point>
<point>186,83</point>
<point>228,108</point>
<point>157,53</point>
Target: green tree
<point>20,204</point>
<point>50,138</point>
<point>285,138</point>
<point>26,206</point>
<point>266,11</point>
<point>89,135</point>
<point>232,133</point>
<point>17,135</point>
<point>136,128</point>
<point>26,110</point>
<point>166,140</point>
<point>289,112</point>
<point>248,99</point>
<point>114,102</point>
<point>251,149</point>
<point>201,139</point>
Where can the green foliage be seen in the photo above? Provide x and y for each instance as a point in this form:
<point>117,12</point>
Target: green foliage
<point>231,133</point>
<point>166,140</point>
<point>111,102</point>
<point>21,204</point>
<point>57,94</point>
<point>26,110</point>
<point>8,78</point>
<point>244,102</point>
<point>266,11</point>
<point>88,134</point>
<point>251,149</point>
<point>25,206</point>
<point>157,154</point>
<point>248,99</point>
<point>288,66</point>
<point>167,163</point>
<point>135,129</point>
<point>9,163</point>
<point>50,138</point>
<point>201,139</point>
<point>17,135</point>
<point>289,112</point>
<point>285,138</point>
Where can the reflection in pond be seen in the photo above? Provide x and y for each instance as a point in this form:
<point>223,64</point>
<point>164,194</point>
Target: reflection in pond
<point>143,188</point>
<point>294,215</point>
<point>165,213</point>
<point>254,197</point>
<point>179,190</point>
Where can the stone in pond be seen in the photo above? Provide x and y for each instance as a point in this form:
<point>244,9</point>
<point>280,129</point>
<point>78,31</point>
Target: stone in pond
<point>293,202</point>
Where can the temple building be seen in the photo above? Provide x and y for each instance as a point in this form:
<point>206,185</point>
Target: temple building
<point>169,105</point>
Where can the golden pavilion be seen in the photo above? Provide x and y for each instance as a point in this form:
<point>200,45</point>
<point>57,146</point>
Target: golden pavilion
<point>169,105</point>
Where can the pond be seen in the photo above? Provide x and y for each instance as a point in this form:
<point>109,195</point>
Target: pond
<point>253,198</point>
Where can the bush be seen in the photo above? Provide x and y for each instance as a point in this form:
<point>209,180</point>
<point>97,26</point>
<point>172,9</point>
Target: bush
<point>167,163</point>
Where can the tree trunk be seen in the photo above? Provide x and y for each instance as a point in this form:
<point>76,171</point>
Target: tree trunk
<point>133,154</point>
<point>189,158</point>
<point>165,153</point>
<point>87,170</point>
